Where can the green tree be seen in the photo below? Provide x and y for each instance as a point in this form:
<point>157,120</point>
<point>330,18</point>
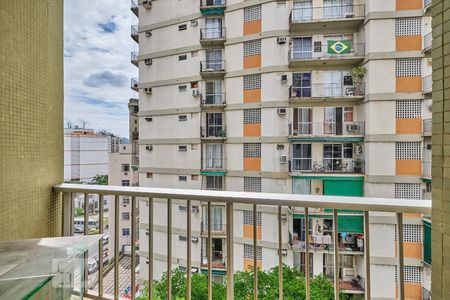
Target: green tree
<point>100,179</point>
<point>293,286</point>
<point>79,211</point>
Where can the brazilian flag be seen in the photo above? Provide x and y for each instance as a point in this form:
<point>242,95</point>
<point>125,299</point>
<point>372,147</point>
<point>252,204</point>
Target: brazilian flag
<point>340,47</point>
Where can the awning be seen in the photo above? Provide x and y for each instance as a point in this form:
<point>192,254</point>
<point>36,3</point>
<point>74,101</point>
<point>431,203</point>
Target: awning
<point>215,272</point>
<point>336,178</point>
<point>213,11</point>
<point>213,173</point>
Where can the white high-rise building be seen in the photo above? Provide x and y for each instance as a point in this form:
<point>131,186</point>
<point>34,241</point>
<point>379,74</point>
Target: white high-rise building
<point>322,97</point>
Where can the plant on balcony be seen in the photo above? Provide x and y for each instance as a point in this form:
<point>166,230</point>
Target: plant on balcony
<point>358,74</point>
<point>358,165</point>
<point>293,286</point>
<point>100,179</point>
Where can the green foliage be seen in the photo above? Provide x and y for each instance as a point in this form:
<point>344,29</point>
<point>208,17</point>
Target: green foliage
<point>293,286</point>
<point>358,73</point>
<point>100,179</point>
<point>79,212</point>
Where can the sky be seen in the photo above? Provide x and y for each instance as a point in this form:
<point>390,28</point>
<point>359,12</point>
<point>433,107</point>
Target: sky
<point>97,68</point>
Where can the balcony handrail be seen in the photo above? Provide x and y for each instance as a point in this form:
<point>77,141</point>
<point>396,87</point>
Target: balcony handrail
<point>207,97</point>
<point>214,65</point>
<point>215,33</point>
<point>327,128</point>
<point>217,3</point>
<point>310,53</point>
<point>336,12</point>
<point>272,199</point>
<point>316,90</point>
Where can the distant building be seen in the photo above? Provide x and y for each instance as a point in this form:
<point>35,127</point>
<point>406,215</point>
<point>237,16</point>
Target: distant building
<point>85,154</point>
<point>122,172</point>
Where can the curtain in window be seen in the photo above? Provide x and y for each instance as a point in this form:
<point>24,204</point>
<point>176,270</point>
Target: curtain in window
<point>305,121</point>
<point>213,28</point>
<point>301,84</point>
<point>301,186</point>
<point>337,9</point>
<point>213,92</point>
<point>216,218</point>
<point>302,48</point>
<point>333,84</point>
<point>214,156</point>
<point>303,11</point>
<point>214,60</point>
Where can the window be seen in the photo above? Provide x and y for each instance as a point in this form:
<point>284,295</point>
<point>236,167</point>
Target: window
<point>248,252</point>
<point>348,114</point>
<point>333,155</point>
<point>408,150</point>
<point>301,186</point>
<point>252,150</point>
<point>302,48</point>
<point>252,82</point>
<point>214,182</point>
<point>182,238</point>
<point>252,116</point>
<point>182,118</point>
<point>182,208</point>
<point>412,274</point>
<point>213,92</point>
<point>194,177</point>
<point>182,27</point>
<point>214,60</point>
<point>412,233</point>
<point>213,28</point>
<point>214,156</point>
<point>125,183</point>
<point>149,175</point>
<point>252,184</point>
<point>408,191</point>
<point>182,178</point>
<point>408,109</point>
<point>126,201</point>
<point>408,67</point>
<point>408,26</point>
<point>182,148</point>
<point>125,231</point>
<point>301,160</point>
<point>214,123</point>
<point>252,48</point>
<point>125,216</point>
<point>125,168</point>
<point>301,85</point>
<point>182,88</point>
<point>302,121</point>
<point>252,13</point>
<point>302,11</point>
<point>182,57</point>
<point>248,217</point>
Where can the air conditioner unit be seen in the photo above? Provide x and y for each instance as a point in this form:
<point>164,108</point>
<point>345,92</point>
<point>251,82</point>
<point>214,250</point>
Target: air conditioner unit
<point>147,3</point>
<point>284,252</point>
<point>148,33</point>
<point>194,23</point>
<point>281,40</point>
<point>348,272</point>
<point>281,111</point>
<point>148,90</point>
<point>195,209</point>
<point>283,217</point>
<point>194,239</point>
<point>284,78</point>
<point>149,148</point>
<point>148,61</point>
<point>352,127</point>
<point>283,159</point>
<point>195,92</point>
<point>148,119</point>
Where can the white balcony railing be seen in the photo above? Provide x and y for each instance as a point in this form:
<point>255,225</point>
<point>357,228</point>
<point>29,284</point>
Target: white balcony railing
<point>279,201</point>
<point>308,13</point>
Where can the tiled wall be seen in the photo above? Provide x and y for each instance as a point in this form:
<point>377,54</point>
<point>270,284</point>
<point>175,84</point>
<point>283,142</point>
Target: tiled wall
<point>31,117</point>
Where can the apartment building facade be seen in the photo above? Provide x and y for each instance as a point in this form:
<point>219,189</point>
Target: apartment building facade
<point>323,97</point>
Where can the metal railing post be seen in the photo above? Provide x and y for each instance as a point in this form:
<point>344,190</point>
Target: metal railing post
<point>150,249</point>
<point>188,252</point>
<point>280,255</point>
<point>401,262</point>
<point>100,246</point>
<point>116,246</point>
<point>230,252</point>
<point>367,255</point>
<point>169,249</point>
<point>307,274</point>
<point>336,254</point>
<point>133,247</point>
<point>209,244</point>
<point>255,252</point>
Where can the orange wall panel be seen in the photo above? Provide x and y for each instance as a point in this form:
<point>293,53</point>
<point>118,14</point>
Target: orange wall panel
<point>408,167</point>
<point>248,231</point>
<point>248,264</point>
<point>252,27</point>
<point>404,126</point>
<point>253,61</point>
<point>252,96</point>
<point>252,163</point>
<point>412,250</point>
<point>408,4</point>
<point>252,129</point>
<point>408,84</point>
<point>408,43</point>
<point>413,291</point>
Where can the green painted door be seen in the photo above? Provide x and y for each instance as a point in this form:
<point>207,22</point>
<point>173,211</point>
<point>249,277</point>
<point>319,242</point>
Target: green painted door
<point>353,188</point>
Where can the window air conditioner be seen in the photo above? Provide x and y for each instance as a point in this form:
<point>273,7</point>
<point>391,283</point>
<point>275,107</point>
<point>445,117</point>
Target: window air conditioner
<point>281,111</point>
<point>147,3</point>
<point>148,33</point>
<point>283,159</point>
<point>148,90</point>
<point>281,40</point>
<point>352,127</point>
<point>195,92</point>
<point>149,148</point>
<point>348,272</point>
<point>148,61</point>
<point>284,78</point>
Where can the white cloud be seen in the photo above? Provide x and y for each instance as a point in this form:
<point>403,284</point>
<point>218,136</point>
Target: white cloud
<point>95,54</point>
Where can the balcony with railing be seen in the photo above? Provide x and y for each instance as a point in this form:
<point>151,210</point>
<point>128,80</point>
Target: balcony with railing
<point>213,161</point>
<point>213,99</point>
<point>327,166</point>
<point>327,90</point>
<point>135,58</point>
<point>217,228</point>
<point>118,280</point>
<point>134,84</point>
<point>212,36</point>
<point>134,8</point>
<point>209,7</point>
<point>427,42</point>
<point>212,68</point>
<point>307,18</point>
<point>135,33</point>
<point>309,129</point>
<point>335,53</point>
<point>427,84</point>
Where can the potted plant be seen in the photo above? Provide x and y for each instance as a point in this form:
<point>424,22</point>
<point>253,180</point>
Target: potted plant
<point>358,74</point>
<point>358,165</point>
